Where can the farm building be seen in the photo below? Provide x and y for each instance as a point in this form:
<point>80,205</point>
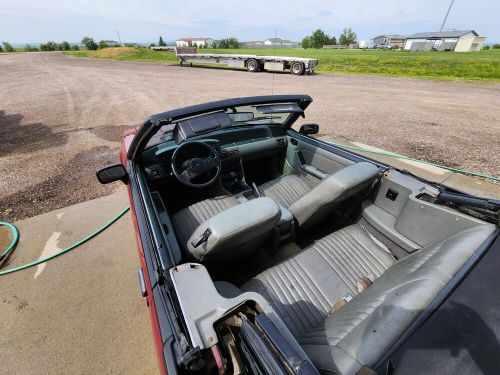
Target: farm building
<point>452,40</point>
<point>393,40</point>
<point>280,42</point>
<point>195,42</point>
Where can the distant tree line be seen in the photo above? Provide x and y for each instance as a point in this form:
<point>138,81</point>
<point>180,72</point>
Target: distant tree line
<point>227,43</point>
<point>319,38</point>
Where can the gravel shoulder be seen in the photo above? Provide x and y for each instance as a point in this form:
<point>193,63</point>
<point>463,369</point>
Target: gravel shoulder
<point>62,117</point>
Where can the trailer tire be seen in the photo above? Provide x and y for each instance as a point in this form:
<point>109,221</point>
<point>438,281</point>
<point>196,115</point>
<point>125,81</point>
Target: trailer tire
<point>297,68</point>
<point>252,65</point>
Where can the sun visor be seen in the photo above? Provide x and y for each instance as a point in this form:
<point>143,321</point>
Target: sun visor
<point>268,109</point>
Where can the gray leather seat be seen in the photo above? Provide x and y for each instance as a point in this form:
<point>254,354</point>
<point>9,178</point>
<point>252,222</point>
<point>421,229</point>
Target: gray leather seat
<point>310,201</point>
<point>233,232</point>
<point>303,289</point>
<point>188,219</point>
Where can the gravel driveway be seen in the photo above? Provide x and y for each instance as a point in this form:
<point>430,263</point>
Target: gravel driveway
<point>61,118</point>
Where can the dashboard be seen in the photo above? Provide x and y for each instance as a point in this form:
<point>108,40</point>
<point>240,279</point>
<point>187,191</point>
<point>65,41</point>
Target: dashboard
<point>243,142</point>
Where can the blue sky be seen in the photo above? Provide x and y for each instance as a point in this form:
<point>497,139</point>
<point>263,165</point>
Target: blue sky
<point>24,21</point>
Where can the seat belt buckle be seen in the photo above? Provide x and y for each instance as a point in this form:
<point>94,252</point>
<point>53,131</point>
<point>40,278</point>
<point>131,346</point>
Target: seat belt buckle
<point>203,238</point>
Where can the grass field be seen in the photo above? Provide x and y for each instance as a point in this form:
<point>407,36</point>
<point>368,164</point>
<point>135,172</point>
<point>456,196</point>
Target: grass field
<point>484,65</point>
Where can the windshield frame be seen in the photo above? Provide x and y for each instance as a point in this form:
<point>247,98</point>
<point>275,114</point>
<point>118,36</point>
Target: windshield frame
<point>150,127</point>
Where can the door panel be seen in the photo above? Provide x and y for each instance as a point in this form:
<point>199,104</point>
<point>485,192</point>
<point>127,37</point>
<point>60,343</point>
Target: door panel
<point>300,155</point>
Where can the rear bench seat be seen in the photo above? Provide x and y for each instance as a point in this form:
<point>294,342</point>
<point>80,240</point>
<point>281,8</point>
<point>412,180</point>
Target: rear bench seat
<point>304,288</point>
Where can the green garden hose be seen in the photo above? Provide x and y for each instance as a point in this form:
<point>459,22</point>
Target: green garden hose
<point>15,238</point>
<point>15,234</point>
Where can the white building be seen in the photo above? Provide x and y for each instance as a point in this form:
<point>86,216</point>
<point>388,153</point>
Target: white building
<point>452,40</point>
<point>195,42</point>
<point>280,42</point>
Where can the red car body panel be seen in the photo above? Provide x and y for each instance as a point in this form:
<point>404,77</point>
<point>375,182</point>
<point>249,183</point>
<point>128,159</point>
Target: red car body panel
<point>126,141</point>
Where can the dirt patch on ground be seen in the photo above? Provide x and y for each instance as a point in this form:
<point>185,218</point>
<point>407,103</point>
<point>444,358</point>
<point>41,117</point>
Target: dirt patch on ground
<point>62,117</point>
<point>31,137</point>
<point>75,183</point>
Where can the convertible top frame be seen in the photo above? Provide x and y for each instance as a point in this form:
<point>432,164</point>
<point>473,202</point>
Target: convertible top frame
<point>152,124</point>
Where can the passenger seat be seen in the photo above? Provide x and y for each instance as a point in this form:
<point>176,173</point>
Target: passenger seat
<point>304,288</point>
<point>309,201</point>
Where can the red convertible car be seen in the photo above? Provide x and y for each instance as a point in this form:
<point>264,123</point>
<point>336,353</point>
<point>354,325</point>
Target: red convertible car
<point>264,250</point>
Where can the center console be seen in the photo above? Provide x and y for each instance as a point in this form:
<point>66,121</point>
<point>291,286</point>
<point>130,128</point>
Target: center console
<point>232,177</point>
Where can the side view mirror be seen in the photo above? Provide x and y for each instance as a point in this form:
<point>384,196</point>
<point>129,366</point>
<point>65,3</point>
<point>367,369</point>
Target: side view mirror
<point>309,129</point>
<point>111,173</point>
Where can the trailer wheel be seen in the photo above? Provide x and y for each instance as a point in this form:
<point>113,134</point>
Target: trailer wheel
<point>297,68</point>
<point>252,65</point>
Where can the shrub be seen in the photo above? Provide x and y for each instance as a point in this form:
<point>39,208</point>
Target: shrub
<point>49,46</point>
<point>485,47</point>
<point>64,46</point>
<point>29,48</point>
<point>103,44</point>
<point>8,47</point>
<point>89,43</point>
<point>75,47</point>
<point>1,48</point>
<point>495,46</point>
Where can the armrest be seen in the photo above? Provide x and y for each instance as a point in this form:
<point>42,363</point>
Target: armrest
<point>234,227</point>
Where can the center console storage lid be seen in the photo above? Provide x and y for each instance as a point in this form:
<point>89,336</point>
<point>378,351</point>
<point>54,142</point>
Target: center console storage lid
<point>229,231</point>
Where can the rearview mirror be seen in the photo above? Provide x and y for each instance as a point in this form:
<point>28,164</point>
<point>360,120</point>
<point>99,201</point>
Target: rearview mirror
<point>112,173</point>
<point>309,129</point>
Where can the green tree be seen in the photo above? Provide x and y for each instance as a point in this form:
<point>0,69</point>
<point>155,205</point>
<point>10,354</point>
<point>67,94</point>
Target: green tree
<point>64,46</point>
<point>49,46</point>
<point>306,42</point>
<point>89,43</point>
<point>233,43</point>
<point>1,48</point>
<point>103,44</point>
<point>319,38</point>
<point>347,37</point>
<point>8,47</point>
<point>333,41</point>
<point>75,47</point>
<point>161,42</point>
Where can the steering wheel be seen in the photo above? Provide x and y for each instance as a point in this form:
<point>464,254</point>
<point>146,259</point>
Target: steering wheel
<point>190,170</point>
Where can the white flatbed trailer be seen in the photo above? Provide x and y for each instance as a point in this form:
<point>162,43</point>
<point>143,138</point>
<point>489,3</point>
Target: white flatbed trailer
<point>253,63</point>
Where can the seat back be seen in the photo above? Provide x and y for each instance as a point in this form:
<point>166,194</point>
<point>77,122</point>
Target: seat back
<point>234,232</point>
<point>363,330</point>
<point>324,198</point>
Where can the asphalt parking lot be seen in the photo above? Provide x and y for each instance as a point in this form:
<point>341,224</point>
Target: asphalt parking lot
<point>62,117</point>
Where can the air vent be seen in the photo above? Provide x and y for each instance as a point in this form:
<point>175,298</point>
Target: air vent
<point>280,142</point>
<point>229,153</point>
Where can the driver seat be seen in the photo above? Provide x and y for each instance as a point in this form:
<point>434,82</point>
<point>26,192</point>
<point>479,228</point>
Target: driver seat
<point>227,234</point>
<point>189,218</point>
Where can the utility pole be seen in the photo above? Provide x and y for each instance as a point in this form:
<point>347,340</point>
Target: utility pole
<point>118,34</point>
<point>446,17</point>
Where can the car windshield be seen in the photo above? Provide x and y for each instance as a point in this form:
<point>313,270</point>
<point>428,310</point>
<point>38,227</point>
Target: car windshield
<point>267,114</point>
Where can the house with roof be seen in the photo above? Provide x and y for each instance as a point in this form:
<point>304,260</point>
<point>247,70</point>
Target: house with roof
<point>195,42</point>
<point>280,42</point>
<point>451,40</point>
<point>394,40</point>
